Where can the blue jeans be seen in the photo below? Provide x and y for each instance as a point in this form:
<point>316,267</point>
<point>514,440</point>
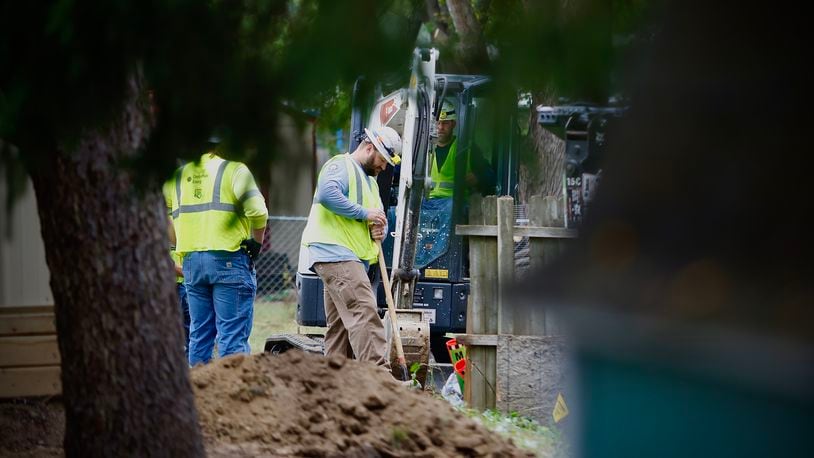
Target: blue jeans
<point>221,286</point>
<point>182,301</point>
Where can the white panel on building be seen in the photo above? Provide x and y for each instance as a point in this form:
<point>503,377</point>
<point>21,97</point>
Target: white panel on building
<point>24,276</point>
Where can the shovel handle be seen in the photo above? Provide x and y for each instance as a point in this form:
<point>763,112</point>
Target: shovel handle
<point>391,307</point>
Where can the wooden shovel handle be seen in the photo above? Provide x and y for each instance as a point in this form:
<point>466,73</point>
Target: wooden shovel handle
<point>391,307</point>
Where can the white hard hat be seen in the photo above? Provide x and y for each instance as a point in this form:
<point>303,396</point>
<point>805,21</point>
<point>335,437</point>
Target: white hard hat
<point>447,111</point>
<point>387,142</point>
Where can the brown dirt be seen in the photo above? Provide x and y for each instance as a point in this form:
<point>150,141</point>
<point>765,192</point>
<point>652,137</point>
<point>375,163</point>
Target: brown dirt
<point>298,404</point>
<point>30,428</point>
<point>295,404</point>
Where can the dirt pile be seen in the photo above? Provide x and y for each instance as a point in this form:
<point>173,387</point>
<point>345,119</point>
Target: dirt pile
<point>31,427</point>
<point>298,404</point>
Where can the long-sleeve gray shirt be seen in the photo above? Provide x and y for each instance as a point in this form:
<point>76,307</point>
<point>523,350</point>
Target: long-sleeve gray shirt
<point>333,189</point>
<point>332,192</point>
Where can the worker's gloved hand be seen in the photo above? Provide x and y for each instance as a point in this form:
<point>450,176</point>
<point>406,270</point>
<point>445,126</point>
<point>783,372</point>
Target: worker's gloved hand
<point>252,247</point>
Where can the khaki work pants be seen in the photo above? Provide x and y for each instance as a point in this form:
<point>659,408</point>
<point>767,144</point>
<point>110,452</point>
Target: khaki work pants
<point>354,326</point>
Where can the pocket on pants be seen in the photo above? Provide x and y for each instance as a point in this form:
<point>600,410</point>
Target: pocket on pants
<point>229,277</point>
<point>335,276</point>
<point>355,291</point>
<point>245,300</point>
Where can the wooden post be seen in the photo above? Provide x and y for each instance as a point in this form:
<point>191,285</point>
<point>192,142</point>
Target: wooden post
<point>544,212</point>
<point>482,312</point>
<point>505,263</point>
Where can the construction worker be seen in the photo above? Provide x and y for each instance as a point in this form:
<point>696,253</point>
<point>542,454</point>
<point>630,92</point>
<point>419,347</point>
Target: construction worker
<point>346,217</point>
<point>177,259</point>
<point>220,218</point>
<point>478,173</point>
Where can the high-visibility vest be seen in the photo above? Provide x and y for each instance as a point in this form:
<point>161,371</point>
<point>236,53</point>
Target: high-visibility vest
<point>205,211</point>
<point>443,179</point>
<point>325,226</point>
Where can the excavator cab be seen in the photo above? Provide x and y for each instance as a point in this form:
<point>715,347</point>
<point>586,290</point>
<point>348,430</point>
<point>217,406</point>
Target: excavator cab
<point>484,154</point>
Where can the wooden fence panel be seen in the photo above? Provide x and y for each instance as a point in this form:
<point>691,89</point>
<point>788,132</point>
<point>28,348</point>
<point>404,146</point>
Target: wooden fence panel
<point>27,324</point>
<point>29,352</point>
<point>505,263</point>
<point>544,212</point>
<point>482,315</point>
<point>30,381</point>
<point>490,315</point>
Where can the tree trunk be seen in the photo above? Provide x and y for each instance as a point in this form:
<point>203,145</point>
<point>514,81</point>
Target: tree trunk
<point>125,383</point>
<point>434,13</point>
<point>544,175</point>
<point>471,45</point>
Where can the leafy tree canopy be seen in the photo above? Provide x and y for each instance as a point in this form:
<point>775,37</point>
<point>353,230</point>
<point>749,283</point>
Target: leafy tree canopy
<point>232,67</point>
<point>208,66</point>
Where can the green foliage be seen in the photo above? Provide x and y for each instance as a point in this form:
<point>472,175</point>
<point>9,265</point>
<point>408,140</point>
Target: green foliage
<point>398,436</point>
<point>334,114</point>
<point>414,373</point>
<point>573,48</point>
<point>544,441</point>
<point>232,67</point>
<point>225,66</point>
<point>272,315</point>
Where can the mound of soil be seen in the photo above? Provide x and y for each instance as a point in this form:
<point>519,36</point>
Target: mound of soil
<point>31,427</point>
<point>298,404</point>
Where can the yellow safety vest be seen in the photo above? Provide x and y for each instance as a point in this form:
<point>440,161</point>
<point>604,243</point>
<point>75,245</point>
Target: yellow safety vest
<point>325,226</point>
<point>443,179</point>
<point>205,212</point>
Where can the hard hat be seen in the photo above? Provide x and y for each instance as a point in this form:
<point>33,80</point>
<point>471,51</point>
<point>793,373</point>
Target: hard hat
<point>447,111</point>
<point>387,142</point>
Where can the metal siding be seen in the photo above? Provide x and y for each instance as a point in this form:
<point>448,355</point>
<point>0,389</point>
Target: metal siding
<point>24,275</point>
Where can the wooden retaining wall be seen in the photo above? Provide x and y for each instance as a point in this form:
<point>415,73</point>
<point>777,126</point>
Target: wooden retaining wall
<point>514,360</point>
<point>29,353</point>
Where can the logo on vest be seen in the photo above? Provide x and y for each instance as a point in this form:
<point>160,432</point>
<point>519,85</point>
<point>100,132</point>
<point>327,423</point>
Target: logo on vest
<point>198,193</point>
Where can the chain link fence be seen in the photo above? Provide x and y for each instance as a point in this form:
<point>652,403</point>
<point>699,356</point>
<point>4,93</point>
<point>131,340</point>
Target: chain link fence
<point>521,244</point>
<point>277,264</point>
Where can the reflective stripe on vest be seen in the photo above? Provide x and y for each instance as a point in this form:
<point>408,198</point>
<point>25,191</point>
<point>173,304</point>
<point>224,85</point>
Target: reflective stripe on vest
<point>215,204</point>
<point>325,226</point>
<point>206,222</point>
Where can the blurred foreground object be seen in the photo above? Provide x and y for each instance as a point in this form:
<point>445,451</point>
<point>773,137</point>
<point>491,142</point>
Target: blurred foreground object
<point>689,294</point>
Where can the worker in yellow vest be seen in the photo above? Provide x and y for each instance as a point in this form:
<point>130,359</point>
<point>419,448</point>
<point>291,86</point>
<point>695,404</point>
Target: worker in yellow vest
<point>177,261</point>
<point>346,217</point>
<point>478,173</point>
<point>220,219</point>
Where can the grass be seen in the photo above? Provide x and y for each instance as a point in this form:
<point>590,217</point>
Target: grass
<point>272,315</point>
<point>526,433</point>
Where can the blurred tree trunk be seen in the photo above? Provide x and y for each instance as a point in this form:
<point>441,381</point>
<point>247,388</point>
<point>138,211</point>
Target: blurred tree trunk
<point>435,14</point>
<point>471,45</point>
<point>125,383</point>
<point>543,174</point>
